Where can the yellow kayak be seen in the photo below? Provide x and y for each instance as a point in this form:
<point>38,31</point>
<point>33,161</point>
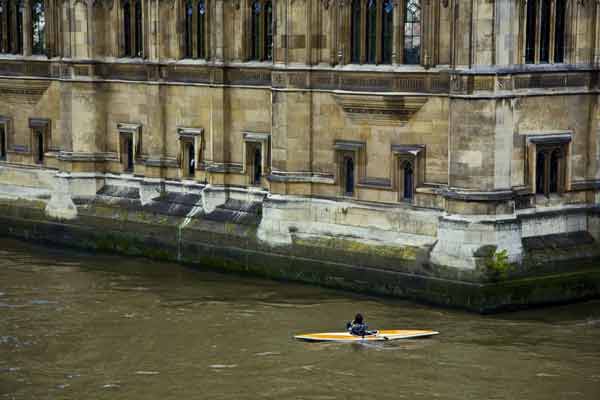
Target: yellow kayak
<point>382,335</point>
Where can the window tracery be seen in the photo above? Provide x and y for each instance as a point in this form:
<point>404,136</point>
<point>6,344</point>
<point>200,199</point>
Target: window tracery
<point>195,34</point>
<point>545,31</point>
<point>261,28</point>
<point>11,26</point>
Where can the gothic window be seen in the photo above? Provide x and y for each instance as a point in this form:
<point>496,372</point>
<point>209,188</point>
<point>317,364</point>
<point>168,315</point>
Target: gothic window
<point>201,30</point>
<point>127,28</point>
<point>355,31</point>
<point>545,30</point>
<point>11,26</point>
<point>256,9</point>
<point>371,31</point>
<point>261,30</point>
<point>189,13</point>
<point>2,26</point>
<point>412,32</point>
<point>550,169</point>
<point>387,28</point>
<point>196,29</point>
<point>268,29</point>
<point>18,38</point>
<point>133,28</point>
<point>559,32</point>
<point>139,36</point>
<point>410,164</point>
<point>38,27</point>
<point>530,32</point>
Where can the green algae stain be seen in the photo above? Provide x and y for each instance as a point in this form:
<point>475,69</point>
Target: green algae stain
<point>407,253</point>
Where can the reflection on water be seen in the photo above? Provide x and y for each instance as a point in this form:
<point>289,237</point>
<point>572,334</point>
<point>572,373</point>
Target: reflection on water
<point>75,325</point>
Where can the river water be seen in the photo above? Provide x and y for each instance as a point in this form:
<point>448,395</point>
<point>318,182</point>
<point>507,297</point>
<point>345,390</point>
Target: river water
<point>82,326</point>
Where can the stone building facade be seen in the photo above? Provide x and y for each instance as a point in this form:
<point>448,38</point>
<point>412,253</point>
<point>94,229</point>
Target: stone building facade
<point>449,125</point>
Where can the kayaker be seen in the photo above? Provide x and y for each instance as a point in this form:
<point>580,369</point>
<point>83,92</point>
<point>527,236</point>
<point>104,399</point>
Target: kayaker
<point>358,327</point>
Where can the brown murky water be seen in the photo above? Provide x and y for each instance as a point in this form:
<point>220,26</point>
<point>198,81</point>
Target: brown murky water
<point>80,326</point>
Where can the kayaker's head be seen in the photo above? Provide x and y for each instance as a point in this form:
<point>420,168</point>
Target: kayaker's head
<point>358,319</point>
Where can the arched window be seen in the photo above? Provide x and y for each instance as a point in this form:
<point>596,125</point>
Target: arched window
<point>139,31</point>
<point>559,32</point>
<point>540,173</point>
<point>412,32</point>
<point>255,30</point>
<point>408,175</point>
<point>371,32</point>
<point>355,32</point>
<point>387,30</point>
<point>268,31</point>
<point>127,47</point>
<point>349,176</point>
<point>38,27</point>
<point>188,35</point>
<point>201,28</point>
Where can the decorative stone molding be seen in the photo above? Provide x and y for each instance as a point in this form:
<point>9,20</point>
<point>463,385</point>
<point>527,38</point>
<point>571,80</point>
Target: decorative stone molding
<point>380,109</point>
<point>549,138</point>
<point>28,92</point>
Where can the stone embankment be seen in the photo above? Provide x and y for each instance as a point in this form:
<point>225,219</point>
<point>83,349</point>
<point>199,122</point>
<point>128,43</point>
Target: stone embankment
<point>359,247</point>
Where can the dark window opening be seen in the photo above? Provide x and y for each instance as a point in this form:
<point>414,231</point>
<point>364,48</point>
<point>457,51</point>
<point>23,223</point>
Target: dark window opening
<point>129,153</point>
<point>18,49</point>
<point>355,35</point>
<point>39,143</point>
<point>268,31</point>
<point>139,36</point>
<point>349,176</point>
<point>255,31</point>
<point>257,167</point>
<point>559,32</point>
<point>371,31</point>
<point>8,46</point>
<point>189,13</point>
<point>127,28</point>
<point>530,32</point>
<point>201,29</point>
<point>38,27</point>
<point>545,32</point>
<point>2,142</point>
<point>2,26</point>
<point>191,159</point>
<point>554,171</point>
<point>387,31</point>
<point>408,181</point>
<point>412,32</point>
<point>540,173</point>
